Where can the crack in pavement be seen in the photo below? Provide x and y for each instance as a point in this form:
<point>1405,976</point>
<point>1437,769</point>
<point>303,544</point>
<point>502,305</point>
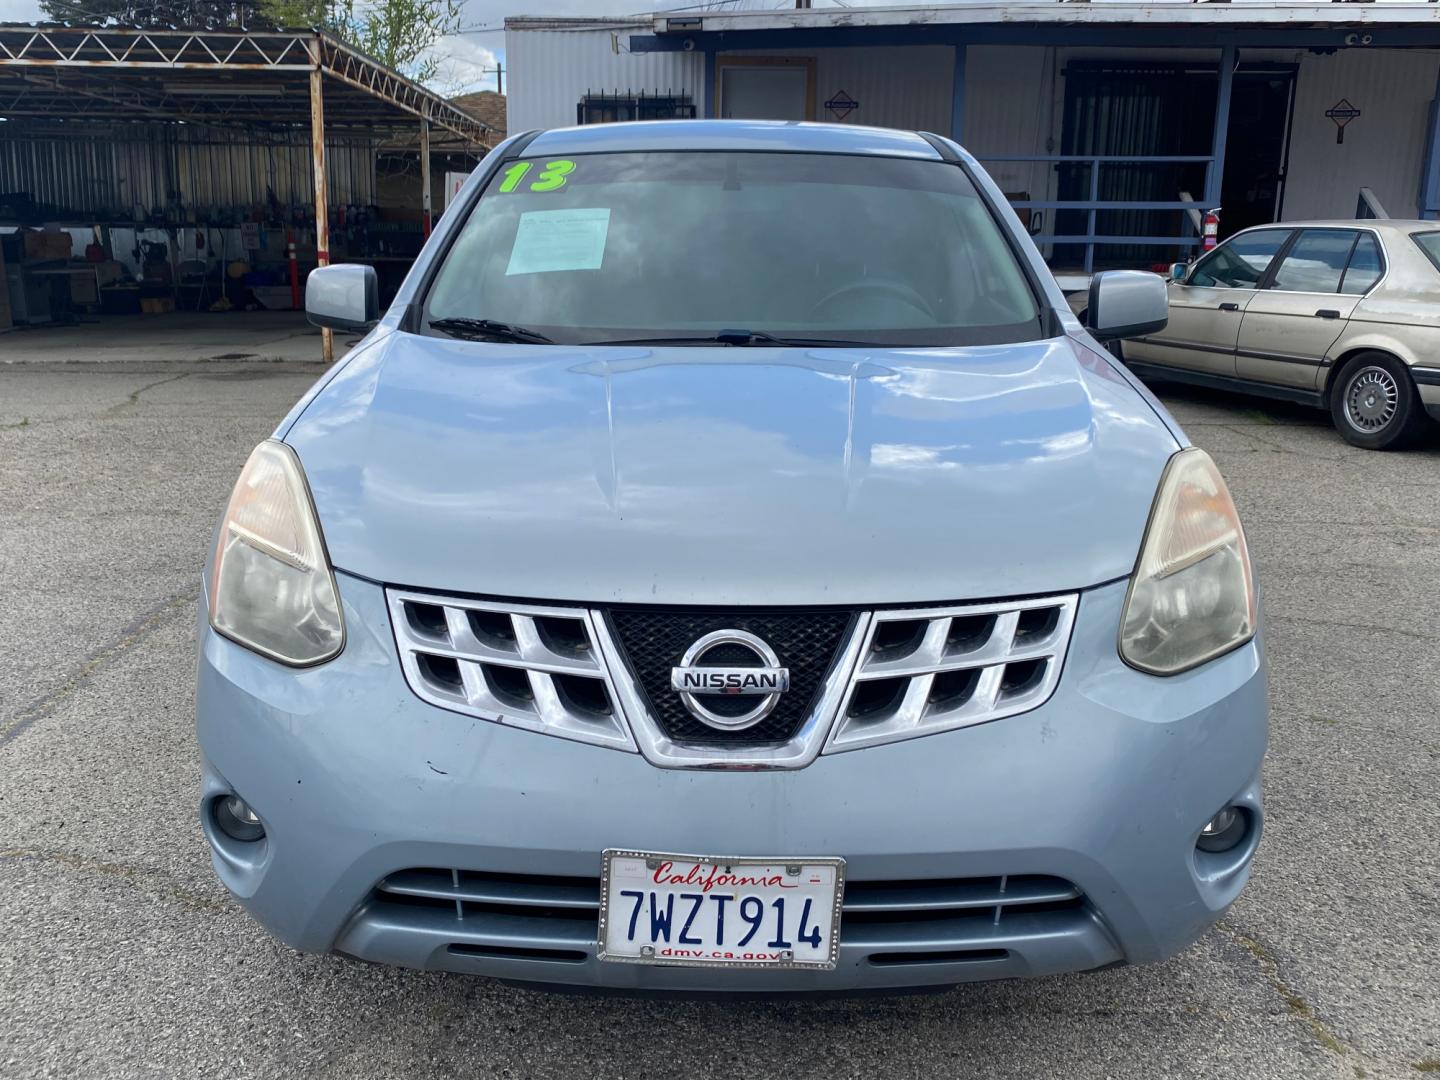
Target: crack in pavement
<point>1270,617</point>
<point>118,409</point>
<point>131,635</point>
<point>134,397</point>
<point>1296,1004</point>
<point>1269,444</point>
<point>1359,526</point>
<point>116,871</point>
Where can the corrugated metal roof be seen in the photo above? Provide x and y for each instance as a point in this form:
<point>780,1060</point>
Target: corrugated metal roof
<point>1162,13</point>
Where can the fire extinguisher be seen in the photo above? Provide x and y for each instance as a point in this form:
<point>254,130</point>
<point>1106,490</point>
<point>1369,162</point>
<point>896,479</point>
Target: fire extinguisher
<point>1209,232</point>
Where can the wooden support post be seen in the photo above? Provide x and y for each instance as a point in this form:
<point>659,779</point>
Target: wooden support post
<point>425,207</point>
<point>322,205</point>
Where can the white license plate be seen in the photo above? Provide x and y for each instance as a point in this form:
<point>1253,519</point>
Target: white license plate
<point>727,912</point>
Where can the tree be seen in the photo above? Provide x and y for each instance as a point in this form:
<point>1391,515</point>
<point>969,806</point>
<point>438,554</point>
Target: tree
<point>336,16</point>
<point>398,33</point>
<point>152,14</point>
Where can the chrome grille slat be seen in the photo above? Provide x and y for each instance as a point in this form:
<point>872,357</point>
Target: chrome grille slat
<point>535,654</point>
<point>531,653</point>
<point>962,932</point>
<point>984,893</point>
<point>977,707</point>
<point>518,892</point>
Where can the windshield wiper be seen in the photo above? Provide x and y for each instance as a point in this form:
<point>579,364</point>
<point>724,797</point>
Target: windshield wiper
<point>488,330</point>
<point>737,338</point>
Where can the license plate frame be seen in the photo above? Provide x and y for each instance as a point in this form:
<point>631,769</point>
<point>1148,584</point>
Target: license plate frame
<point>653,858</point>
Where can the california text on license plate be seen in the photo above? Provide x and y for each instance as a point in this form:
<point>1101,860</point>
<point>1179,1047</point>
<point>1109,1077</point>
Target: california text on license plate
<point>720,911</point>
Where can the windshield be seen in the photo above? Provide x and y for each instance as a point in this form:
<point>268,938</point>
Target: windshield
<point>664,246</point>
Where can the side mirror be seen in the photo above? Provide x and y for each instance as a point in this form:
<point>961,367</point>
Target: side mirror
<point>1178,271</point>
<point>343,297</point>
<point>1127,303</point>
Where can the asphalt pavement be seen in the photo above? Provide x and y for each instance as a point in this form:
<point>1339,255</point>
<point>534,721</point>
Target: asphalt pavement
<point>121,955</point>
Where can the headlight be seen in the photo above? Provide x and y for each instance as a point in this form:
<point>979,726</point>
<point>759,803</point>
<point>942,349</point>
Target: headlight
<point>1193,596</point>
<point>271,588</point>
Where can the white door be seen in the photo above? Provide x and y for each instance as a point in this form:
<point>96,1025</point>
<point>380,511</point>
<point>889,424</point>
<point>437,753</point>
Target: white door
<point>768,92</point>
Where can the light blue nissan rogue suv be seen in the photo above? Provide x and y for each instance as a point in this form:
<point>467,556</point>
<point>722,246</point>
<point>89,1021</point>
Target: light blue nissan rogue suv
<point>728,565</point>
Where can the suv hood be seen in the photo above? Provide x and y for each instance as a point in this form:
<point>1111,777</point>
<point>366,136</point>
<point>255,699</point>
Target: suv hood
<point>732,476</point>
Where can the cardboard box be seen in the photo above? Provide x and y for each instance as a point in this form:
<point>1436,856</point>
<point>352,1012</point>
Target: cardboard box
<point>82,288</point>
<point>48,246</point>
<point>109,272</point>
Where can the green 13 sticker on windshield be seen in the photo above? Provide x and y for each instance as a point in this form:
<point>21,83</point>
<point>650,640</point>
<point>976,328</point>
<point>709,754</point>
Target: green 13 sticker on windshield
<point>550,178</point>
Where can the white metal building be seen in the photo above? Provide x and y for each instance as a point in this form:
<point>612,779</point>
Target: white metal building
<point>1108,124</point>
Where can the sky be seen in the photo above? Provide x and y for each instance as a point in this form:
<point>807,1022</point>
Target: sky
<point>468,59</point>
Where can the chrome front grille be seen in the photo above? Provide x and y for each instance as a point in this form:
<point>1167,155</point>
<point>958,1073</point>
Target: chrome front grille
<point>896,673</point>
<point>530,667</point>
<point>933,669</point>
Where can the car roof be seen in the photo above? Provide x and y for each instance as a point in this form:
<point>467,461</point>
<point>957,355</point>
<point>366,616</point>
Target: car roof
<point>1384,225</point>
<point>769,135</point>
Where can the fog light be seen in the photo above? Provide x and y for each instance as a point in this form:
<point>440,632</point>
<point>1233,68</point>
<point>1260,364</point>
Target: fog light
<point>1223,831</point>
<point>236,820</point>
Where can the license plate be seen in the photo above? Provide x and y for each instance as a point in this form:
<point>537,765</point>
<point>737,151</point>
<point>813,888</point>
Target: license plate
<point>722,912</point>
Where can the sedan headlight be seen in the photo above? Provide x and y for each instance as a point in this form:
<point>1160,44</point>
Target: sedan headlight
<point>1193,595</point>
<point>271,587</point>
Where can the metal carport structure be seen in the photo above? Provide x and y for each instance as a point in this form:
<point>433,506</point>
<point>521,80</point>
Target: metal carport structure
<point>285,79</point>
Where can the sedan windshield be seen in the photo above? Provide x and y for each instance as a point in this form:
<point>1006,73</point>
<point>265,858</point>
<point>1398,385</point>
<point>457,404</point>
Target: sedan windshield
<point>735,249</point>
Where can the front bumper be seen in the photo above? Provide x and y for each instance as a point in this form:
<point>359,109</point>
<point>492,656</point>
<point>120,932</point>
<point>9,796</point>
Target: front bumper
<point>1105,786</point>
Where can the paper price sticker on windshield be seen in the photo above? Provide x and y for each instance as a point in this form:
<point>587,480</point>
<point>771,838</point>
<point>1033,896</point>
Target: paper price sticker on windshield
<point>551,240</point>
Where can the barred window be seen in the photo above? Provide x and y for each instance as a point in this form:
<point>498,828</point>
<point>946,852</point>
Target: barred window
<point>610,108</point>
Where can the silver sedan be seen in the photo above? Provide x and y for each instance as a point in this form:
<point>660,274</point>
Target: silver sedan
<point>1342,315</point>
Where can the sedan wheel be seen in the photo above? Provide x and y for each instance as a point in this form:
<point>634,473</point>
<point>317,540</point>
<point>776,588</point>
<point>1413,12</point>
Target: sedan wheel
<point>1371,399</point>
<point>1373,403</point>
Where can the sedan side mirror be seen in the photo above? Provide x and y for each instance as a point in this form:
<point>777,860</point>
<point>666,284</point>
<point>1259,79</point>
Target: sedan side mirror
<point>1127,303</point>
<point>1178,272</point>
<point>343,297</point>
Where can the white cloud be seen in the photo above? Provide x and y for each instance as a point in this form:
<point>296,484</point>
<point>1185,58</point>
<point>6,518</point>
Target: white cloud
<point>467,64</point>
